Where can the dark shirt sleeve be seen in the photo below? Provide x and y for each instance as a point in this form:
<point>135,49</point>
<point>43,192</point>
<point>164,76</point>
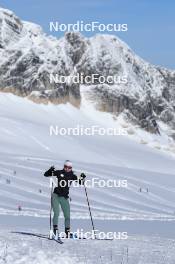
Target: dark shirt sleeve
<point>74,177</point>
<point>51,172</point>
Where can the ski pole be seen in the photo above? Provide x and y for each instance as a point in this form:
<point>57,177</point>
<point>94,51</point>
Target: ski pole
<point>90,211</point>
<point>51,190</point>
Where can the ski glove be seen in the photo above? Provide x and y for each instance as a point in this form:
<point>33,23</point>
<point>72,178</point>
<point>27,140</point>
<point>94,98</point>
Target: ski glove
<point>82,178</point>
<point>49,172</point>
<point>52,168</point>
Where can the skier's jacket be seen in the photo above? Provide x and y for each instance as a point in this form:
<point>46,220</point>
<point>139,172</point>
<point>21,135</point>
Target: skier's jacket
<point>64,181</point>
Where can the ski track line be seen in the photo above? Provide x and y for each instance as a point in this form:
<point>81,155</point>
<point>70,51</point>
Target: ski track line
<point>34,159</point>
<point>135,201</point>
<point>30,193</point>
<point>20,166</point>
<point>129,177</point>
<point>25,180</point>
<point>143,181</point>
<point>40,143</point>
<point>16,196</point>
<point>135,192</point>
<point>110,170</point>
<point>157,208</point>
<point>137,180</point>
<point>124,202</point>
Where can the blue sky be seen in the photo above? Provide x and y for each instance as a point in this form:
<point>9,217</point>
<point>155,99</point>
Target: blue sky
<point>151,23</point>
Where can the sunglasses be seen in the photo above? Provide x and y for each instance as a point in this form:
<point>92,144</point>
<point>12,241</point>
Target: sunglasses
<point>67,167</point>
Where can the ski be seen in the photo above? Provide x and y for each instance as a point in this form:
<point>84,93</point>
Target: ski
<point>74,236</point>
<point>59,241</point>
<point>103,239</point>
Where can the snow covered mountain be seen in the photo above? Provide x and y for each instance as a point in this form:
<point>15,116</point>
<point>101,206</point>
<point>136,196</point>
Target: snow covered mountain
<point>28,56</point>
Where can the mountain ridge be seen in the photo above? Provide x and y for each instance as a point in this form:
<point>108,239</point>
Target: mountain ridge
<point>29,56</point>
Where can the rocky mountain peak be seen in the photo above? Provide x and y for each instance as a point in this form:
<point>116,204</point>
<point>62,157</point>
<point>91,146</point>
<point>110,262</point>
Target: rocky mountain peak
<point>10,27</point>
<point>29,56</point>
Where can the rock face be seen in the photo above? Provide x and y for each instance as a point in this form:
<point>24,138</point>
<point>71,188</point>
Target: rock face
<point>28,56</point>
